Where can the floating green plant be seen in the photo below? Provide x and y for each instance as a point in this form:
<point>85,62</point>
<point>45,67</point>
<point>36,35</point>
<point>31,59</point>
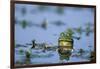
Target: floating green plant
<point>28,54</point>
<point>24,24</point>
<point>27,61</point>
<point>81,52</point>
<point>79,30</point>
<point>88,30</point>
<point>21,51</point>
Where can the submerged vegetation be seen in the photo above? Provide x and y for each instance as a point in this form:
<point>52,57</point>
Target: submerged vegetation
<point>24,24</point>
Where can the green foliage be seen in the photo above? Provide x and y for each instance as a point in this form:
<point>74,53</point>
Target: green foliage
<point>28,54</point>
<point>88,30</point>
<point>24,24</point>
<point>81,52</point>
<point>79,30</point>
<point>21,51</point>
<point>27,61</point>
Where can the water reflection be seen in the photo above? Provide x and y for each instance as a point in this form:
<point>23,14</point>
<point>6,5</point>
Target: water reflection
<point>92,56</point>
<point>23,11</point>
<point>25,56</point>
<point>64,55</point>
<point>58,23</point>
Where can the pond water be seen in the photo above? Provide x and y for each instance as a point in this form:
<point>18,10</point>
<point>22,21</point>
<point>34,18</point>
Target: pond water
<point>30,25</point>
<point>48,57</point>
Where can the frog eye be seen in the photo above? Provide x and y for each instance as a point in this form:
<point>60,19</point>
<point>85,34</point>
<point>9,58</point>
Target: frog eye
<point>67,34</point>
<point>62,35</point>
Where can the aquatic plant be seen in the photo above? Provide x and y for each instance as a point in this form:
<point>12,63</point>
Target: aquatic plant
<point>23,10</point>
<point>24,24</point>
<point>88,30</point>
<point>79,30</point>
<point>33,44</point>
<point>92,56</point>
<point>21,51</point>
<point>28,54</point>
<point>27,61</point>
<point>18,62</point>
<point>60,10</point>
<point>44,24</point>
<point>81,52</point>
<point>89,24</point>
